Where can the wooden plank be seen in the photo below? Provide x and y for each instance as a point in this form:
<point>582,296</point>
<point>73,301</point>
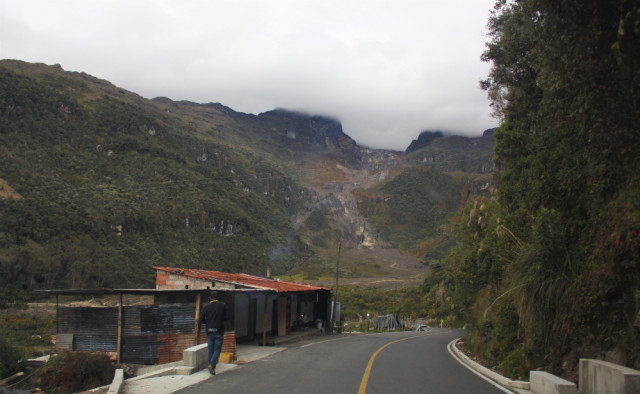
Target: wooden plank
<point>119,345</point>
<point>197,322</point>
<point>57,313</point>
<point>264,322</point>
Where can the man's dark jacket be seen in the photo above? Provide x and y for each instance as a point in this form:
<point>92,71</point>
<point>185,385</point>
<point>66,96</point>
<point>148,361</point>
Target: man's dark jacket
<point>213,316</point>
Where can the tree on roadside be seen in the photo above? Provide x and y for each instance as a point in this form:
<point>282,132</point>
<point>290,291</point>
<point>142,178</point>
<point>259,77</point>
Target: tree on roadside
<point>565,82</point>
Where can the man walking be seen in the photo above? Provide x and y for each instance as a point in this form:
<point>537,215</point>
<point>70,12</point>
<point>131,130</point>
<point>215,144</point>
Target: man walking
<point>213,316</point>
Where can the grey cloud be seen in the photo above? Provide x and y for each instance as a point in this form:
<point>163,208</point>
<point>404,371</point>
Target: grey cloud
<point>386,70</point>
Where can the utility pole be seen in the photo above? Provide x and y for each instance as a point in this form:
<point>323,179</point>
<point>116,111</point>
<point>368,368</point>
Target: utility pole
<point>304,262</point>
<point>338,269</point>
<point>335,298</point>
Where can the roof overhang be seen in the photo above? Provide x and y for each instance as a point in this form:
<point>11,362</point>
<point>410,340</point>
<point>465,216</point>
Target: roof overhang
<point>244,280</point>
<point>79,292</point>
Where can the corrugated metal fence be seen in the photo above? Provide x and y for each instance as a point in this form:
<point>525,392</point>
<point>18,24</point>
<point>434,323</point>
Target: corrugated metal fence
<point>93,329</point>
<point>151,334</point>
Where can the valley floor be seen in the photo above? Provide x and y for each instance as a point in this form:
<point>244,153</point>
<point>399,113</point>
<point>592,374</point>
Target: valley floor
<point>402,270</point>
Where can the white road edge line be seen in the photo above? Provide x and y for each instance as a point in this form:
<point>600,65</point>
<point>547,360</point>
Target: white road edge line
<point>316,343</point>
<point>452,343</point>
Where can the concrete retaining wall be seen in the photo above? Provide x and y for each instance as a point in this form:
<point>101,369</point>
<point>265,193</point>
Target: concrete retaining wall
<point>541,382</point>
<point>604,377</point>
<point>195,356</point>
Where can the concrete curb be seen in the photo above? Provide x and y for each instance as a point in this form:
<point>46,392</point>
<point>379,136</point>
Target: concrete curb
<point>174,377</point>
<point>116,385</point>
<point>179,370</point>
<point>287,339</point>
<point>506,384</point>
<point>170,369</point>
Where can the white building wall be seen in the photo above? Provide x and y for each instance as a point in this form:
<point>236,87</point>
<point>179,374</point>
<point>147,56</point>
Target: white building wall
<point>180,282</point>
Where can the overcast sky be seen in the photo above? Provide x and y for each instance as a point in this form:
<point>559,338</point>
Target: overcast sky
<point>386,69</point>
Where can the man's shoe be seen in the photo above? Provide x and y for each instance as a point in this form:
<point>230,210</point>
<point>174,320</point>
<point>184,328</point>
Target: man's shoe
<point>212,370</point>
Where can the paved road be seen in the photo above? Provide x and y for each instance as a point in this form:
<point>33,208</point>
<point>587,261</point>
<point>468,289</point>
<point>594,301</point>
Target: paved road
<point>406,362</point>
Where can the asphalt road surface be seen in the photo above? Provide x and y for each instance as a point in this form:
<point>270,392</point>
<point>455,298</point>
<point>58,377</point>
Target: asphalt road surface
<point>397,362</point>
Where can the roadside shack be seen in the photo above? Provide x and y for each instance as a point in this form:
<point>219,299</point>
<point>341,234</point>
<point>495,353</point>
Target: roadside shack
<point>154,326</point>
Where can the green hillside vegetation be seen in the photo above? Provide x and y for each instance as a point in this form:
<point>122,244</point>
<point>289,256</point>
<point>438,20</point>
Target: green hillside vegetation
<point>98,184</point>
<point>541,260</point>
<point>547,269</point>
<point>319,230</point>
<point>411,207</point>
<point>456,153</point>
<point>112,184</point>
<point>409,303</point>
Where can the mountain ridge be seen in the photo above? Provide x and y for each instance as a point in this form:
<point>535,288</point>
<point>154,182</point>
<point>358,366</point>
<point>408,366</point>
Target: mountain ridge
<point>140,182</point>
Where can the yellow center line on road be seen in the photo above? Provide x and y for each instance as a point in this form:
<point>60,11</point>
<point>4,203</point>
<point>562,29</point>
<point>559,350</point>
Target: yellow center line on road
<point>367,371</point>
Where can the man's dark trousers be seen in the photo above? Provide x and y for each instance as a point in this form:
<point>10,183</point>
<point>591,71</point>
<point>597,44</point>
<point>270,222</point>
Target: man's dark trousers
<point>214,344</point>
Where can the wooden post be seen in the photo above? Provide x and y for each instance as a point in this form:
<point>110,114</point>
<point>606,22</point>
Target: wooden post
<point>335,298</point>
<point>197,323</point>
<point>10,378</point>
<point>264,322</point>
<point>57,313</point>
<point>338,270</point>
<point>119,345</point>
<point>304,263</point>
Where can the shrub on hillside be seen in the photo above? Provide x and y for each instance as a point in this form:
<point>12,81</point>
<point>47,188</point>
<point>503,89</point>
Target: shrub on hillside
<point>316,221</point>
<point>10,356</point>
<point>71,372</point>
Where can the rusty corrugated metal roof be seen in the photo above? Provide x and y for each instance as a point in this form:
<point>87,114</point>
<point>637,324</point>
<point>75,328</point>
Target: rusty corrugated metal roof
<point>80,292</point>
<point>251,281</point>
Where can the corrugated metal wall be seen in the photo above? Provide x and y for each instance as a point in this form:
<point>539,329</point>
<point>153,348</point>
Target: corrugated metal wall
<point>157,334</point>
<point>151,334</point>
<point>94,329</point>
